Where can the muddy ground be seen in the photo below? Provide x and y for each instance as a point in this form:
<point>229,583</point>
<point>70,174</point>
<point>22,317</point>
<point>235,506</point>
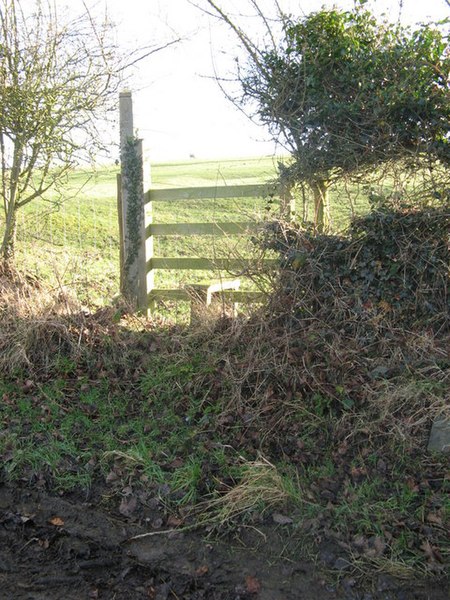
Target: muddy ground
<point>54,547</point>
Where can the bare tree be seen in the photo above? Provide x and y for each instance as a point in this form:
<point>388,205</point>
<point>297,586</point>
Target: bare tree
<point>59,78</point>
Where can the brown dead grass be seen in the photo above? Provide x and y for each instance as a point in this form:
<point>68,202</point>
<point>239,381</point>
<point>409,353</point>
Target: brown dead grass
<point>37,324</point>
<point>41,326</point>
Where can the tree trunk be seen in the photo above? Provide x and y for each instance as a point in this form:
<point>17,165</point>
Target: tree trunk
<point>9,239</point>
<point>321,207</point>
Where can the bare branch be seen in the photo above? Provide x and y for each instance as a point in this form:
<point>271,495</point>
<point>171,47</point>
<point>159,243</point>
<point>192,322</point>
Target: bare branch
<point>147,52</point>
<point>242,36</point>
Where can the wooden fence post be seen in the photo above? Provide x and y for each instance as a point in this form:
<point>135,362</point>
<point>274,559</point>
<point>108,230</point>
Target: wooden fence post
<point>121,233</point>
<point>132,217</point>
<point>149,241</point>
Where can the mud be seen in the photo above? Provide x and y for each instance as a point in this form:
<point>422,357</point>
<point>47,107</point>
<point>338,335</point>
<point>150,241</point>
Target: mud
<point>73,548</point>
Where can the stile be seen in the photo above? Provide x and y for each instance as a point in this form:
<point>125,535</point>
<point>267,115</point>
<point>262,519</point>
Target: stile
<point>138,278</point>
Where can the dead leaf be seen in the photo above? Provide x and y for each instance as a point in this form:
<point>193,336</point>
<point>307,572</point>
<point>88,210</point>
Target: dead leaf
<point>379,544</point>
<point>358,472</point>
<point>434,518</point>
<point>111,477</point>
<point>202,570</point>
<point>128,506</point>
<point>412,484</point>
<point>173,521</point>
<point>252,584</point>
<point>431,552</point>
<point>56,521</point>
<point>281,519</point>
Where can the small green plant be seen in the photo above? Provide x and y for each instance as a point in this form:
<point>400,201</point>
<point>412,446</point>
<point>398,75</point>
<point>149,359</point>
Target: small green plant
<point>186,481</point>
<point>321,405</point>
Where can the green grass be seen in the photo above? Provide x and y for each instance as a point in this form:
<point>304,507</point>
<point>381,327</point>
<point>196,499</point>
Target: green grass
<point>58,430</point>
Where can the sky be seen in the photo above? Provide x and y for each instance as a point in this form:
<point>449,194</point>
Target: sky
<point>179,109</point>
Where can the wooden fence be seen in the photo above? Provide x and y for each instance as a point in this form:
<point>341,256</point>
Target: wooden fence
<point>138,229</point>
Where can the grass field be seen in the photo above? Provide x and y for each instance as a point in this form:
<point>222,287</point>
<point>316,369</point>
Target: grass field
<point>73,237</point>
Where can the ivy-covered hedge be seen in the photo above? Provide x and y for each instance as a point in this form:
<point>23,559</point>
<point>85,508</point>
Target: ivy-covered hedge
<point>392,265</point>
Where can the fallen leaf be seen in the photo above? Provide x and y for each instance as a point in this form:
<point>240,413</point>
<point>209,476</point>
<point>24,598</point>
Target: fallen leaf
<point>357,472</point>
<point>252,584</point>
<point>56,521</point>
<point>434,518</point>
<point>202,570</point>
<point>379,545</point>
<point>112,476</point>
<point>173,521</point>
<point>128,506</point>
<point>281,519</point>
<point>431,552</point>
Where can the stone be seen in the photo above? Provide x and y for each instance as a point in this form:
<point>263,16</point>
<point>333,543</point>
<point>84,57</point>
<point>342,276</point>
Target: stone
<point>440,437</point>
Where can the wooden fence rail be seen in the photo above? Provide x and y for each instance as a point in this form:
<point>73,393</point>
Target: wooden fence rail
<point>138,283</point>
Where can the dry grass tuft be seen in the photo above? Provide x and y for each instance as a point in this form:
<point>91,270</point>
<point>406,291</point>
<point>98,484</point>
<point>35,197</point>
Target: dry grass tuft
<point>261,489</point>
<point>401,410</point>
<point>36,324</point>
